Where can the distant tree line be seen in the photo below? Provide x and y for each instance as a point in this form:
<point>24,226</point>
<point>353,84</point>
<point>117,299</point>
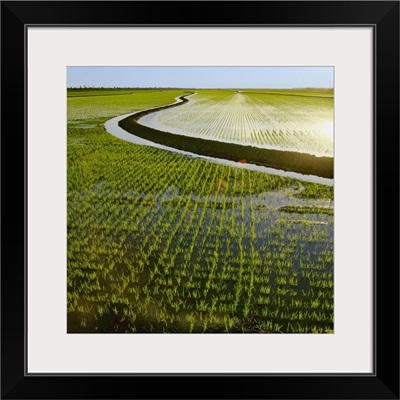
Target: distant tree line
<point>125,88</point>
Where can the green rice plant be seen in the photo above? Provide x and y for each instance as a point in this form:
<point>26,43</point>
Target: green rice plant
<point>162,236</point>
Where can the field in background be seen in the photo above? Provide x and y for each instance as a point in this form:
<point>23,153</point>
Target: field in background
<point>158,242</point>
<point>297,120</point>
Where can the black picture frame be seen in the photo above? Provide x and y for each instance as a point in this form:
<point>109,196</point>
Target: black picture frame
<point>383,383</point>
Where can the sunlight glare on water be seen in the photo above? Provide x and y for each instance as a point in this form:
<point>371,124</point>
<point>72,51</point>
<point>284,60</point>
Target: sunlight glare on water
<point>325,129</point>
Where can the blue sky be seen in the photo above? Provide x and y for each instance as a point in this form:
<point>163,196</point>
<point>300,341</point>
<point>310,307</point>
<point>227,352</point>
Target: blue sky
<point>201,77</point>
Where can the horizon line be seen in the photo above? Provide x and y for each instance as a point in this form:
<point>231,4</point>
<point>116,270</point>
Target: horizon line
<point>202,88</point>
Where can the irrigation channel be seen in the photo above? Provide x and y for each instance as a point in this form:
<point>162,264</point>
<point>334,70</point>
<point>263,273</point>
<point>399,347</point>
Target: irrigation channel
<point>300,166</point>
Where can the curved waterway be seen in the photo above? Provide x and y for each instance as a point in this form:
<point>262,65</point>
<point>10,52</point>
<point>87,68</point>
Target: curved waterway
<point>113,127</point>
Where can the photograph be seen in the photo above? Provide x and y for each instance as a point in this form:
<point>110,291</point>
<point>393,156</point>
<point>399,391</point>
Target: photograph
<point>200,199</point>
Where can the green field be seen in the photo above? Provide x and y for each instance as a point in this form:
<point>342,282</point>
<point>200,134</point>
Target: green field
<point>296,120</point>
<point>159,242</point>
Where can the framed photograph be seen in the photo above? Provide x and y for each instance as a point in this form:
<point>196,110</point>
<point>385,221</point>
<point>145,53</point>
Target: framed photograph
<point>207,200</point>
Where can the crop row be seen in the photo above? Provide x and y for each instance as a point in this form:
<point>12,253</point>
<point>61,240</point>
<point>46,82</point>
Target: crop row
<point>158,242</point>
<point>291,124</point>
